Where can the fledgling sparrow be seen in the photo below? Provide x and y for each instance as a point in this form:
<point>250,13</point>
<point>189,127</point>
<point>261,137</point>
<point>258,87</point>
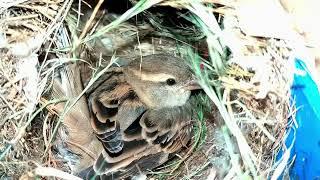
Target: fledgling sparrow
<point>141,113</point>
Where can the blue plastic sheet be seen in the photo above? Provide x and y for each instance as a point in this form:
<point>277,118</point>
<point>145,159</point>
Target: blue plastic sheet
<point>306,147</point>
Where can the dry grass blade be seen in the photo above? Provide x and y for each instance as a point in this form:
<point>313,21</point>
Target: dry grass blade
<point>245,150</point>
<point>191,149</point>
<point>88,24</point>
<point>72,102</point>
<point>138,8</point>
<point>22,130</point>
<point>52,172</point>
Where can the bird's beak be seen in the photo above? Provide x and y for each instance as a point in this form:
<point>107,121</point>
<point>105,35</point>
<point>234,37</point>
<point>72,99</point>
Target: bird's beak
<point>192,85</point>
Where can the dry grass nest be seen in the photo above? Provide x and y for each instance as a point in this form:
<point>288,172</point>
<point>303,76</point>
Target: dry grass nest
<point>247,79</point>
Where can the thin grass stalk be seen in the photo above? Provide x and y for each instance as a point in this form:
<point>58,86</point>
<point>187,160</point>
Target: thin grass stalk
<point>136,9</point>
<point>74,101</point>
<point>213,32</point>
<point>22,130</point>
<point>247,154</point>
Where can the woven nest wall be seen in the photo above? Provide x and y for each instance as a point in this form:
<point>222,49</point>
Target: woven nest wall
<point>245,73</point>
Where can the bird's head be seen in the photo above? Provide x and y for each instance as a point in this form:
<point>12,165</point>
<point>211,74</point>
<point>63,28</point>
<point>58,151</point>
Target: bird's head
<point>161,80</point>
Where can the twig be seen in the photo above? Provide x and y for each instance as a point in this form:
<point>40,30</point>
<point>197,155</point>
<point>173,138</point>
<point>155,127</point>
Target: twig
<point>88,24</point>
<point>190,150</point>
<point>23,129</point>
<point>49,171</point>
<point>11,116</point>
<point>84,149</point>
<point>197,170</point>
<point>8,104</point>
<point>21,17</point>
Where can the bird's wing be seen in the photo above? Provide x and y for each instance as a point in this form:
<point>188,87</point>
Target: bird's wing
<point>170,128</point>
<point>114,106</point>
<point>148,151</point>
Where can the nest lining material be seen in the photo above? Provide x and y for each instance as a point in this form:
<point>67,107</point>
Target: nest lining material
<point>257,78</point>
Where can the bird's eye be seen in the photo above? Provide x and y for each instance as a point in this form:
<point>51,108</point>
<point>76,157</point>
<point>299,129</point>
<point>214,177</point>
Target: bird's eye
<point>171,81</point>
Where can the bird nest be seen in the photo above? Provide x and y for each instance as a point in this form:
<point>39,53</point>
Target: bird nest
<point>246,79</point>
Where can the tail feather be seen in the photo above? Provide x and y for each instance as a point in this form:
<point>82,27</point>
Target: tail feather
<point>136,167</point>
<point>80,136</point>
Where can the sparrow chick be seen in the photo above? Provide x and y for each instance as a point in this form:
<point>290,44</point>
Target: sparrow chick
<point>139,113</point>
